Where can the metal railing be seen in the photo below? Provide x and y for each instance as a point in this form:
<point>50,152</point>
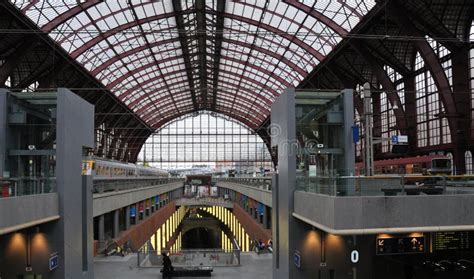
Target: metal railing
<point>386,185</point>
<point>190,258</point>
<point>24,186</point>
<point>264,183</point>
<point>107,184</point>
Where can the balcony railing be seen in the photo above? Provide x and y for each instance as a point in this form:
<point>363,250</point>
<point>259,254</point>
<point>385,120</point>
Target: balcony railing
<point>24,186</point>
<point>386,185</point>
<point>191,258</point>
<point>264,183</point>
<point>108,184</point>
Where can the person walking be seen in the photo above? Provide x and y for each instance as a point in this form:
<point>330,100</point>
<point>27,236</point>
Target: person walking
<point>167,266</point>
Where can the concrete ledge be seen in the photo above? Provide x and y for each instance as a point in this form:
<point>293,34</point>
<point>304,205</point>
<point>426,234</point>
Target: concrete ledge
<point>25,211</point>
<point>260,195</point>
<point>110,201</point>
<point>372,215</point>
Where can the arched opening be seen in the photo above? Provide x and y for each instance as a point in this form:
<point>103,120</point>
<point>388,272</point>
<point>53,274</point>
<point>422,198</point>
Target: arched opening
<point>201,238</point>
<point>468,161</point>
<point>209,141</point>
<point>450,156</point>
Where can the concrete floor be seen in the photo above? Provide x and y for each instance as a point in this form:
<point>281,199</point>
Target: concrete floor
<point>252,266</point>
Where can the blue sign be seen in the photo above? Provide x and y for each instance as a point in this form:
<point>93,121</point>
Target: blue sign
<point>133,212</point>
<point>297,259</point>
<point>261,208</point>
<point>157,199</point>
<point>355,134</point>
<point>53,262</point>
<point>394,139</point>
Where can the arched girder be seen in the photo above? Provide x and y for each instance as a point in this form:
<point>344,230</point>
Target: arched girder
<point>386,83</point>
<point>89,44</point>
<point>129,93</point>
<point>60,19</point>
<point>319,16</point>
<point>159,123</point>
<point>138,100</point>
<point>147,66</point>
<point>130,52</point>
<point>432,62</point>
<point>242,97</point>
<point>275,30</point>
<point>101,18</point>
<point>292,20</point>
<point>239,112</point>
<point>76,53</point>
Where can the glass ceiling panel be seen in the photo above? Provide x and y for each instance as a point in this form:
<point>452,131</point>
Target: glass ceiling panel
<point>136,49</point>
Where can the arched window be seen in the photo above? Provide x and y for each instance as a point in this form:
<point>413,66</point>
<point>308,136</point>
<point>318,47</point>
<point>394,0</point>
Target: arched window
<point>432,129</point>
<point>206,139</point>
<point>468,161</point>
<point>450,156</point>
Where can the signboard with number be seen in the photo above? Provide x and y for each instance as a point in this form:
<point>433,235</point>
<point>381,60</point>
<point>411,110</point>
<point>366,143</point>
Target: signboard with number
<point>400,245</point>
<point>53,262</point>
<point>442,241</point>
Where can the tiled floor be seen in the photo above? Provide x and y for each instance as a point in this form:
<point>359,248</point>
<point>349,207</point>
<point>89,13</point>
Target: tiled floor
<point>252,266</point>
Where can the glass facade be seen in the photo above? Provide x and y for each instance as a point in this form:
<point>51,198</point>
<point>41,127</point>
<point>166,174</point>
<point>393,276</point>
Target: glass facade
<point>432,128</point>
<point>206,139</point>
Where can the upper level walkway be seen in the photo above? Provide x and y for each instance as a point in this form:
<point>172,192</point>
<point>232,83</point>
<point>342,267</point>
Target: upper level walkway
<point>40,204</point>
<point>259,189</point>
<point>208,201</point>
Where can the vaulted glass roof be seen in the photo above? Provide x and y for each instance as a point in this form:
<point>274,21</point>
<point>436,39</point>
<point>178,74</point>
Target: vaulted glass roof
<point>168,58</point>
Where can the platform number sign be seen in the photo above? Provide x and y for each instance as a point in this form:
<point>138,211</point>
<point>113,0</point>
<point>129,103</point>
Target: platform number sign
<point>355,256</point>
<point>53,262</point>
<point>297,259</point>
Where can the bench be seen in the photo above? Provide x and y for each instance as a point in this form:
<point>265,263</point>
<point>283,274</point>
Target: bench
<point>195,271</point>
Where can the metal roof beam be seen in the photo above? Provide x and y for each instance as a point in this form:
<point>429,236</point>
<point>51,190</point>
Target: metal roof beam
<point>218,48</point>
<point>178,12</point>
<point>202,51</point>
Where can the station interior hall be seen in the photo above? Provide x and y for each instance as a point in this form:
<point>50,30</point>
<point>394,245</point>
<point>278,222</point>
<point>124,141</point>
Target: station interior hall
<point>273,139</point>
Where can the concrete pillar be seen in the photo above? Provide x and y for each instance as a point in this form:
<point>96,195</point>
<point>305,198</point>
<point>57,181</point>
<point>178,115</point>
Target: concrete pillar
<point>127,217</point>
<point>137,214</point>
<point>101,231</point>
<point>265,218</point>
<point>116,228</point>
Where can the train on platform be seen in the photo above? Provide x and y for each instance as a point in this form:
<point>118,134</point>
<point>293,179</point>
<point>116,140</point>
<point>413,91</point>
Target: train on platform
<point>420,165</point>
<point>100,167</point>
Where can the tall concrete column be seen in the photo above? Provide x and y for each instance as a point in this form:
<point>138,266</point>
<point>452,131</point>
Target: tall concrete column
<point>116,228</point>
<point>101,231</point>
<point>265,217</point>
<point>127,217</point>
<point>137,213</point>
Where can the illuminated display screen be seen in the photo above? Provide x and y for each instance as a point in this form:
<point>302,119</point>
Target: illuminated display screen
<point>453,241</point>
<point>400,245</point>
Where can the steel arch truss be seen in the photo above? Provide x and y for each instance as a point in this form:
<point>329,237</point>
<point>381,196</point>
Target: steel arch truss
<point>168,58</point>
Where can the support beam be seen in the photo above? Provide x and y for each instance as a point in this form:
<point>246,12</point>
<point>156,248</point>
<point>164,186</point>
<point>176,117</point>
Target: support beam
<point>180,24</point>
<point>116,223</point>
<point>398,14</point>
<point>387,84</point>
<point>15,58</point>
<point>218,49</point>
<point>202,51</point>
